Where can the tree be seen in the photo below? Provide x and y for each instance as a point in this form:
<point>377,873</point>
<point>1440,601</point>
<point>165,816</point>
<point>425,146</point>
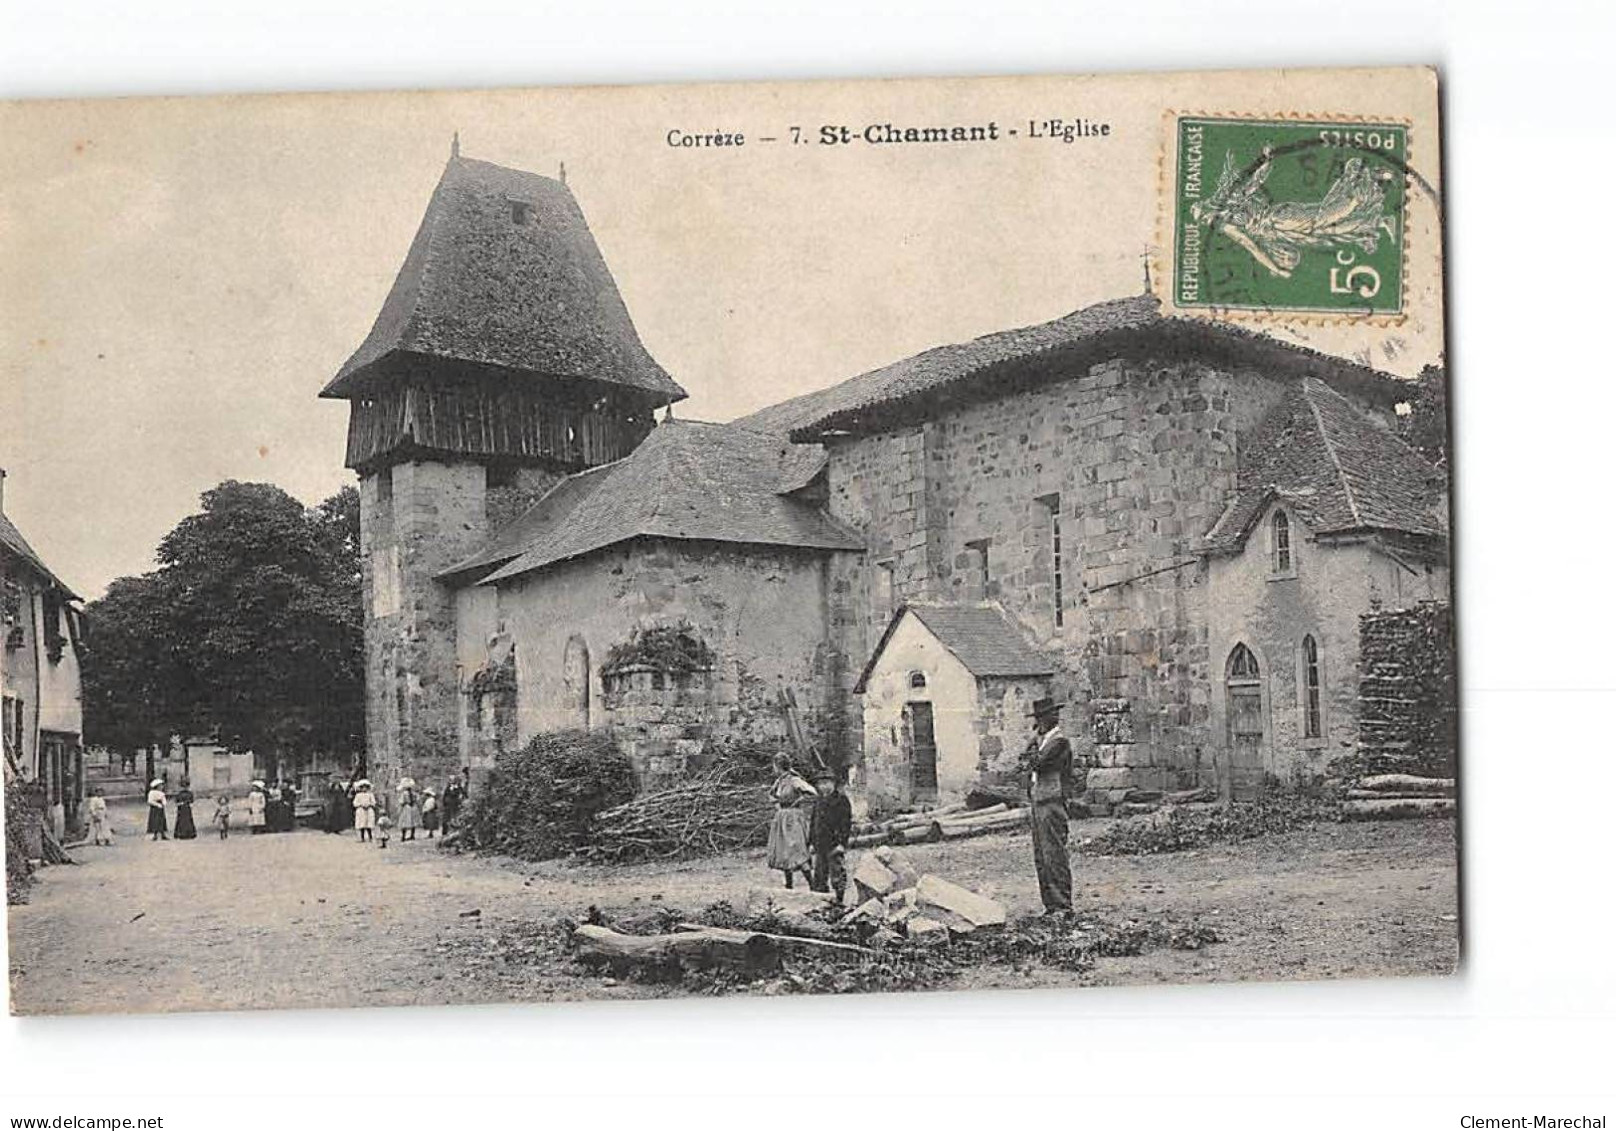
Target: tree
<point>251,627</point>
<point>1426,425</point>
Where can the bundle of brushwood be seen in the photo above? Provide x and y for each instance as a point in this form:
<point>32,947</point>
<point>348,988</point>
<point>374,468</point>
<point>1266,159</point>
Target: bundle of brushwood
<point>718,810</point>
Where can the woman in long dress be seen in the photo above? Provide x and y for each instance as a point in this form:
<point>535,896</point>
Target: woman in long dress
<point>157,811</point>
<point>184,824</point>
<point>364,810</point>
<point>409,810</point>
<point>257,803</point>
<point>788,834</point>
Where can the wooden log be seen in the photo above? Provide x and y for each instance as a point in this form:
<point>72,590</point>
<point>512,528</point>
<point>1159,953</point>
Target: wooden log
<point>1001,822</point>
<point>1408,783</point>
<point>1396,808</point>
<point>980,815</point>
<point>705,947</point>
<point>795,944</point>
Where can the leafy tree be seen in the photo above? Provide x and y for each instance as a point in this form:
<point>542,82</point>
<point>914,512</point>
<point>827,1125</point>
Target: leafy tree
<point>252,626</point>
<point>1426,425</point>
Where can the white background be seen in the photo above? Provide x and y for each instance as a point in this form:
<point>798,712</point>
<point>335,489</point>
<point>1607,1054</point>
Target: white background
<point>1526,1028</point>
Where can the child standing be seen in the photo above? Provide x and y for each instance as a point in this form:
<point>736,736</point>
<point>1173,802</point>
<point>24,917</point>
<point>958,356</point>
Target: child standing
<point>384,825</point>
<point>100,830</point>
<point>829,830</point>
<point>429,812</point>
<point>364,810</point>
<point>221,815</point>
<point>157,811</point>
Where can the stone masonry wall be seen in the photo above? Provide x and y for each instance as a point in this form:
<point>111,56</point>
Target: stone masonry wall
<point>1137,458</point>
<point>762,611</point>
<point>416,519</point>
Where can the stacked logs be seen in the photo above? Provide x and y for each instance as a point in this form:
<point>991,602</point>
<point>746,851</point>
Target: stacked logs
<point>1386,797</point>
<point>949,822</point>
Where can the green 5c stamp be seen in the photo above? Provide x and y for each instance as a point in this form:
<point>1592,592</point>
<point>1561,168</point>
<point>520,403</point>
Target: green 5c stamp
<point>1289,215</point>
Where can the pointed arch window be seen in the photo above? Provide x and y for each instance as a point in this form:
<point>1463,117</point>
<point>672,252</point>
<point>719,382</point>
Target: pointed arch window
<point>1312,690</point>
<point>1280,529</point>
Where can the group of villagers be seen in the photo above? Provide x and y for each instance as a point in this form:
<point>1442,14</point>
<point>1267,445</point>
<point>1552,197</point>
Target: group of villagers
<point>270,809</point>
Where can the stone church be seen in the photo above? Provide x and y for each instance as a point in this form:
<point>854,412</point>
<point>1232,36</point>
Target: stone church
<point>1170,525</point>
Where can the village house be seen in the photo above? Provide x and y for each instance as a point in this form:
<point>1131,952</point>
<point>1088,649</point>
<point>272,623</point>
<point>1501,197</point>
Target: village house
<point>1171,525</point>
<point>40,694</point>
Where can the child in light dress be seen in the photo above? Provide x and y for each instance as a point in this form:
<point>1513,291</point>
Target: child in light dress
<point>221,815</point>
<point>100,827</point>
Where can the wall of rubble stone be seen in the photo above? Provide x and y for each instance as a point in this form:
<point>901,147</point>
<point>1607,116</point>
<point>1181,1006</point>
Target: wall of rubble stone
<point>1408,691</point>
<point>762,611</point>
<point>1136,458</point>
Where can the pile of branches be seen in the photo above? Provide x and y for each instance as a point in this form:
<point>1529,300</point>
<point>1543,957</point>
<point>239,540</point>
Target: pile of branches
<point>897,964</point>
<point>1178,829</point>
<point>19,815</point>
<point>718,810</point>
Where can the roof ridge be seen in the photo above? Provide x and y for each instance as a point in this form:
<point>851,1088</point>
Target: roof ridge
<point>1329,448</point>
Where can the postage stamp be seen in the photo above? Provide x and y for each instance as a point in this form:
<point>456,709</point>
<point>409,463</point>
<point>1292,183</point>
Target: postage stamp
<point>1291,215</point>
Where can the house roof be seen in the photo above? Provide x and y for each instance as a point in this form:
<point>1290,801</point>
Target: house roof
<point>1335,468</point>
<point>979,636</point>
<point>688,481</point>
<point>11,538</point>
<point>963,368</point>
<point>478,287</point>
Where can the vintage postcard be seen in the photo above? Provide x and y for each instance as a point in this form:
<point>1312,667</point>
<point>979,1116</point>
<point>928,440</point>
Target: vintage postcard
<point>601,543</point>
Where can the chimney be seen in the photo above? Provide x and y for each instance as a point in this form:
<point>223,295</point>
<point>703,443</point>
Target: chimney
<point>2,490</point>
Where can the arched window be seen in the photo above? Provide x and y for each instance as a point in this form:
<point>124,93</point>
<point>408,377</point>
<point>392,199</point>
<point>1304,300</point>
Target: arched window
<point>1281,524</point>
<point>1312,702</point>
<point>575,681</point>
<point>917,681</point>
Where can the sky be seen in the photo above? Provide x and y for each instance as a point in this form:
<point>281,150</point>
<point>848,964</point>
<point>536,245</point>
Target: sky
<point>180,277</point>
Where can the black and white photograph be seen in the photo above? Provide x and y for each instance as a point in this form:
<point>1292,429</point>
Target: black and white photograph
<point>760,585</point>
<point>558,582</point>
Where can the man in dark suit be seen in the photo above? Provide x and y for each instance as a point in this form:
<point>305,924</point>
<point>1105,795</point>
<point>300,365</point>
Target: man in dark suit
<point>1049,758</point>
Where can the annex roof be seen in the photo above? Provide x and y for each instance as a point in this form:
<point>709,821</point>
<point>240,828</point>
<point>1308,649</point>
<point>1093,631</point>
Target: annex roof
<point>961,369</point>
<point>980,636</point>
<point>504,272</point>
<point>687,481</point>
<point>1334,467</point>
<point>11,538</point>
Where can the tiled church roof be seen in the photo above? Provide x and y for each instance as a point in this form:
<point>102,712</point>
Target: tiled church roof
<point>1335,468</point>
<point>478,286</point>
<point>956,368</point>
<point>687,481</point>
<point>979,636</point>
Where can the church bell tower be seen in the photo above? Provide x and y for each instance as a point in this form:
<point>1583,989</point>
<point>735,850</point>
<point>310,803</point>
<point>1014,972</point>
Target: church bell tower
<point>502,360</point>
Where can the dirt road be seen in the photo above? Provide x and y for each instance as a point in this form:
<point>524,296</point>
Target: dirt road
<point>309,919</point>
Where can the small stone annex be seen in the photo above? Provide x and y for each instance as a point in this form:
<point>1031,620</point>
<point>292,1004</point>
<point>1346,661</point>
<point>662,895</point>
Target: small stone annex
<point>1171,525</point>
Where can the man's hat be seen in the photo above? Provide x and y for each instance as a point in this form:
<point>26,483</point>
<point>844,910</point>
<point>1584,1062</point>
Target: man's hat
<point>1043,708</point>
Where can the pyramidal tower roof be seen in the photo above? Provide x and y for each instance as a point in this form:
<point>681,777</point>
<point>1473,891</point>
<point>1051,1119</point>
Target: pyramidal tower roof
<point>504,272</point>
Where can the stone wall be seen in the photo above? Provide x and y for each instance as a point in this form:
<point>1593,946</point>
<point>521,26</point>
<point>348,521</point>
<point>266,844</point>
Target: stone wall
<point>417,519</point>
<point>762,611</point>
<point>1408,691</point>
<point>1136,458</point>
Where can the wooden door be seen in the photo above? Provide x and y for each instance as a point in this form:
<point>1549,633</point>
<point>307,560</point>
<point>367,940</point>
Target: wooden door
<point>1246,731</point>
<point>922,752</point>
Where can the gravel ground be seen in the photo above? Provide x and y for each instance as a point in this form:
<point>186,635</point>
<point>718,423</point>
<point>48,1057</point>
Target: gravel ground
<point>307,919</point>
